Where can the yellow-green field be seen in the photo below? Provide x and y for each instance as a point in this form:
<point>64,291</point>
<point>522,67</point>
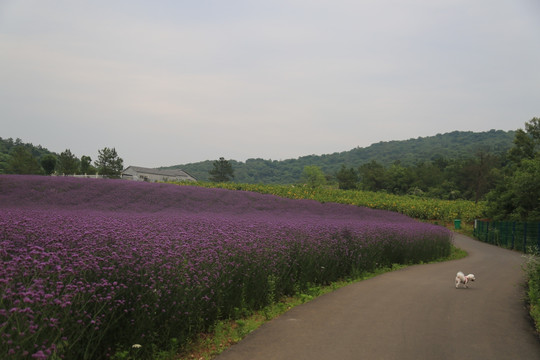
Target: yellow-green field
<point>413,206</point>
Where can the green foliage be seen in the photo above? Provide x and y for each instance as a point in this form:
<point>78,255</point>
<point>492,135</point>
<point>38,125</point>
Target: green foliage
<point>399,179</point>
<point>48,163</point>
<point>477,175</point>
<point>526,142</point>
<point>17,157</point>
<point>4,159</point>
<point>468,179</point>
<point>372,176</point>
<point>8,149</point>
<point>457,165</point>
<point>222,171</point>
<point>22,162</point>
<point>532,269</point>
<point>86,166</point>
<point>109,163</point>
<point>432,149</point>
<point>517,196</point>
<point>347,178</point>
<point>7,145</point>
<point>526,189</point>
<point>313,177</point>
<point>523,147</point>
<point>67,163</point>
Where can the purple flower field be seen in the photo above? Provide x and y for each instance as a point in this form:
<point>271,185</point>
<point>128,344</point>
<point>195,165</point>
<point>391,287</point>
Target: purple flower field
<point>91,267</point>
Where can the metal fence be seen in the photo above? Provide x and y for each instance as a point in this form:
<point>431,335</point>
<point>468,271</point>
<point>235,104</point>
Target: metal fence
<point>521,236</point>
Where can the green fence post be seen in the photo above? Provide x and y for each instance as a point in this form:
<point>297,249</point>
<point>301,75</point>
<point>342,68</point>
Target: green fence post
<point>513,234</point>
<point>525,238</point>
<point>538,239</point>
<point>506,233</point>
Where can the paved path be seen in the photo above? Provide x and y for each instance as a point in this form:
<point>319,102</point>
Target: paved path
<point>414,313</point>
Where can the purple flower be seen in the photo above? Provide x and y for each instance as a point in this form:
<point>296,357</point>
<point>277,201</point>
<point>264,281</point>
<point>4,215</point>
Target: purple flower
<point>39,355</point>
<point>114,260</point>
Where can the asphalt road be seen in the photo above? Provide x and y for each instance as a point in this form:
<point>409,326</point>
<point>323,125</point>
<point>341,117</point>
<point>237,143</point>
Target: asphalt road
<point>414,313</point>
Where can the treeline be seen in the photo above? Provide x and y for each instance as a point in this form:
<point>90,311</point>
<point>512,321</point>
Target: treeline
<point>409,153</point>
<point>21,158</point>
<point>516,195</point>
<point>448,179</point>
<point>509,182</point>
<point>8,148</point>
<point>500,167</point>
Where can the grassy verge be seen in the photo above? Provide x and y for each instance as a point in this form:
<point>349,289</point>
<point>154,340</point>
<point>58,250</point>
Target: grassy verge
<point>228,332</point>
<point>532,269</point>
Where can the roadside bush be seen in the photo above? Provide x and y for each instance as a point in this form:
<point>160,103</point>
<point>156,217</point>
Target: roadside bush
<point>532,268</point>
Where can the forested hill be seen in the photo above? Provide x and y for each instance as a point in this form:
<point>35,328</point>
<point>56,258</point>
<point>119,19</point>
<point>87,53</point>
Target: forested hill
<point>8,145</point>
<point>454,145</point>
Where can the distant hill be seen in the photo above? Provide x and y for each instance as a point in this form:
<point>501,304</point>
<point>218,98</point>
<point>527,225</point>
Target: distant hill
<point>453,145</point>
<point>7,145</point>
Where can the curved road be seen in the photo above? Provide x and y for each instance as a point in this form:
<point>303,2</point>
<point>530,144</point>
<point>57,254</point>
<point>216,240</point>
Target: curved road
<point>413,313</point>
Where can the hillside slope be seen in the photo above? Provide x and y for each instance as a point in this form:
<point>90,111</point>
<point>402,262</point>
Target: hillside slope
<point>457,144</point>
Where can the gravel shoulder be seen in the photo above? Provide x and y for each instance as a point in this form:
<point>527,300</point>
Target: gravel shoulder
<point>413,313</point>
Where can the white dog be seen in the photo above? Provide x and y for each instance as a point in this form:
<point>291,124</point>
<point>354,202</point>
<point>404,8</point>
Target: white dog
<point>462,279</point>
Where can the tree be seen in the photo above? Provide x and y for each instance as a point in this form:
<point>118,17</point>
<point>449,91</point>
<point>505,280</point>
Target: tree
<point>109,163</point>
<point>48,163</point>
<point>426,175</point>
<point>222,171</point>
<point>372,176</point>
<point>86,166</point>
<point>67,163</point>
<point>517,196</point>
<point>398,179</point>
<point>313,176</point>
<point>526,142</point>
<point>525,186</point>
<point>477,175</point>
<point>22,162</point>
<point>347,178</point>
<point>4,161</point>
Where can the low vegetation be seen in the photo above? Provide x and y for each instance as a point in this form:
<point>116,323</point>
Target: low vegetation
<point>228,332</point>
<point>105,268</point>
<point>410,205</point>
<point>532,269</point>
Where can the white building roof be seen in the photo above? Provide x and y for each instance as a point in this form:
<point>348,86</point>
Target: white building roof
<point>160,172</point>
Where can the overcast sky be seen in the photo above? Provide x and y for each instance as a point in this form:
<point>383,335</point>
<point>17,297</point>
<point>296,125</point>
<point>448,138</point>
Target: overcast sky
<point>180,81</point>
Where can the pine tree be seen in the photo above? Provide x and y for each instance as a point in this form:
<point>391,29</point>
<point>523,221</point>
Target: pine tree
<point>222,171</point>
